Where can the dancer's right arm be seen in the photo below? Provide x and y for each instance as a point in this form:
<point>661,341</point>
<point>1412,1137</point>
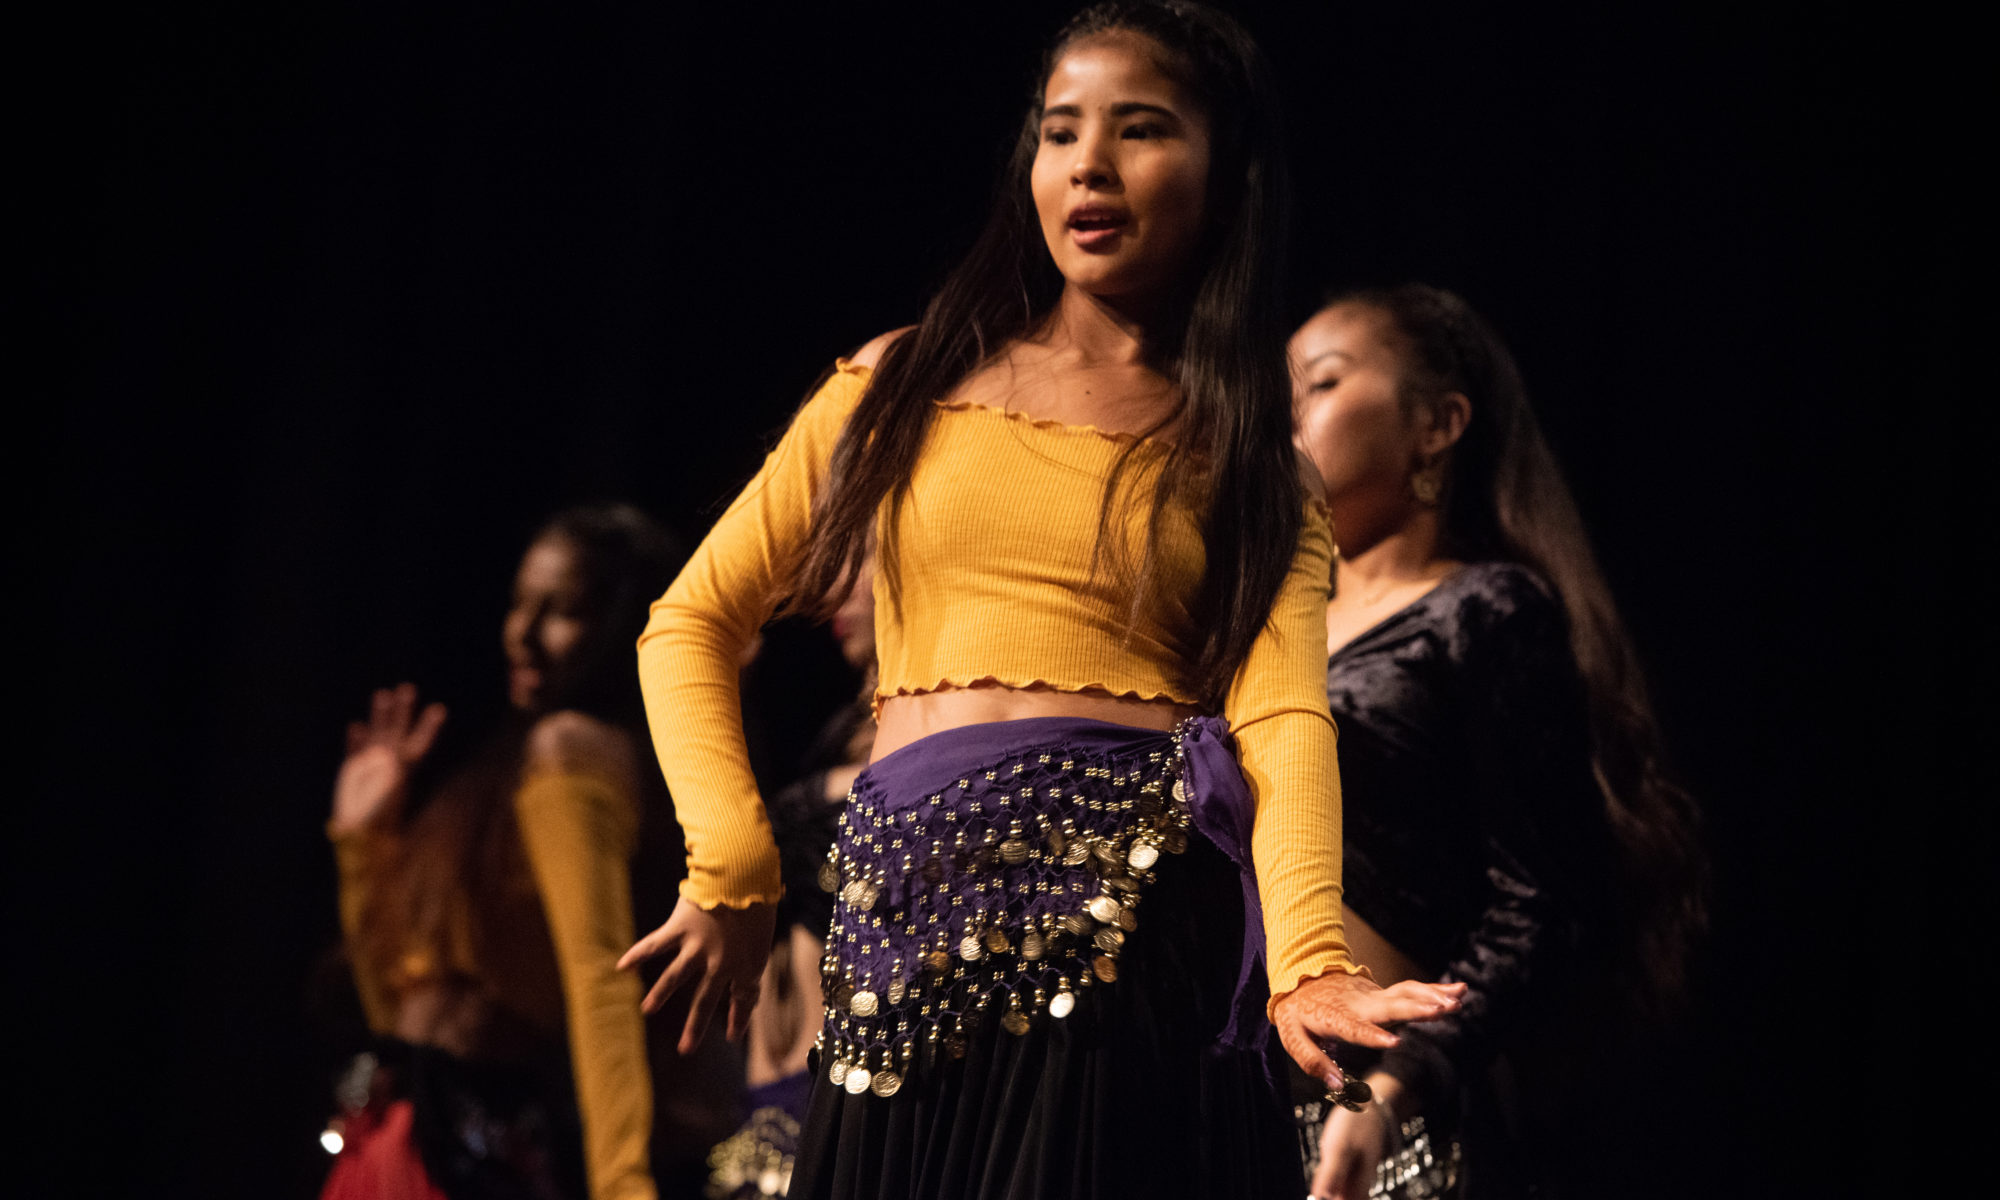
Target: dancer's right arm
<point>689,654</point>
<point>719,934</point>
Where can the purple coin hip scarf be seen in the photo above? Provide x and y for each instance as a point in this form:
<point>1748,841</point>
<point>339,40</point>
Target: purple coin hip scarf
<point>999,869</point>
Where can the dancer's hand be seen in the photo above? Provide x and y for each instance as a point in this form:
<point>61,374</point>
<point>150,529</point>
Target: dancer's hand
<point>1338,1007</point>
<point>381,752</point>
<point>721,951</point>
<point>1353,1144</point>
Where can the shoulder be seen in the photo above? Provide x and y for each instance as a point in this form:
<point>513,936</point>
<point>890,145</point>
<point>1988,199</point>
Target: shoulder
<point>1507,612</point>
<point>839,391</point>
<point>1506,587</point>
<point>576,743</point>
<point>870,354</point>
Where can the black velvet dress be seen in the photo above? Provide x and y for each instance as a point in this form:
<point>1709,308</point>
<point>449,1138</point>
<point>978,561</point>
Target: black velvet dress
<point>1475,843</point>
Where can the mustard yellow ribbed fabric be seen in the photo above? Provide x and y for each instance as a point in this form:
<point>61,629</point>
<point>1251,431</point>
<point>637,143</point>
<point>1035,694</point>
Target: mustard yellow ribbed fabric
<point>580,833</point>
<point>995,542</point>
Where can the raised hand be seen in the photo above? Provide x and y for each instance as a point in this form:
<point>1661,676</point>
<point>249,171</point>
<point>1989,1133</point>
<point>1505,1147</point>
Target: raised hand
<point>721,951</point>
<point>1338,1007</point>
<point>381,751</point>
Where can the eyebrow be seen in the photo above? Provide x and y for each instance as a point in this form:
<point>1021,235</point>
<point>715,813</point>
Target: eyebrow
<point>1124,108</point>
<point>1324,354</point>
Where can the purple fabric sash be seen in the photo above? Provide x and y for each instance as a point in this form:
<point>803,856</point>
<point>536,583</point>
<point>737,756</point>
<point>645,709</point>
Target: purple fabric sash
<point>1219,798</point>
<point>927,773</point>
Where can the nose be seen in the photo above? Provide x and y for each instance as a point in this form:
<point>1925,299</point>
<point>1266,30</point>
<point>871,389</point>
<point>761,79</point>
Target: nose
<point>1093,169</point>
<point>519,632</point>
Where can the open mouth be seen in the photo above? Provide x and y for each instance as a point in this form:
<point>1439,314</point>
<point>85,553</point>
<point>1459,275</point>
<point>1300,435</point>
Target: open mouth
<point>1092,227</point>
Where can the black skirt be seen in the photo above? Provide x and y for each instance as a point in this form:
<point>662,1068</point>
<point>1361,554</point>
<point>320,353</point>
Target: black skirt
<point>1133,1095</point>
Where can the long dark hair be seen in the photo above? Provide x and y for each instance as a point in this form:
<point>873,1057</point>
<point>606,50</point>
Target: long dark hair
<point>1233,459</point>
<point>1504,498</point>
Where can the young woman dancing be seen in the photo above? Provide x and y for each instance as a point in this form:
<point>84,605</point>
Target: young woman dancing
<point>1501,764</point>
<point>484,915</point>
<point>1055,883</point>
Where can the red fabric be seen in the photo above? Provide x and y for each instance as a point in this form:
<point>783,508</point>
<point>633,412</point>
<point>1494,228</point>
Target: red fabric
<point>378,1161</point>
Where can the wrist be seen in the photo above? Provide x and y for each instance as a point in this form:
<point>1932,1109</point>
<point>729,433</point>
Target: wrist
<point>1395,1098</point>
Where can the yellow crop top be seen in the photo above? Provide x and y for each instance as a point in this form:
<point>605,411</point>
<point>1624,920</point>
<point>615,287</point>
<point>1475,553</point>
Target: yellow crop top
<point>1003,515</point>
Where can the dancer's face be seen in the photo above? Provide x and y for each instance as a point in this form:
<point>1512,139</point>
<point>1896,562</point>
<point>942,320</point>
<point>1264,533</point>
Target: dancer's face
<point>1347,409</point>
<point>1122,173</point>
<point>546,624</point>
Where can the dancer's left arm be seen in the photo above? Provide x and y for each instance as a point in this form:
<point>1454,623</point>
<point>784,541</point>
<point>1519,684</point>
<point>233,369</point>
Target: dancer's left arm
<point>579,825</point>
<point>1285,741</point>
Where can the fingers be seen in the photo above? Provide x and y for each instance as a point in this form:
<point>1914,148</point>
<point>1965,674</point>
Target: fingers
<point>653,945</point>
<point>670,981</point>
<point>1406,1001</point>
<point>389,712</point>
<point>707,994</point>
<point>1307,1053</point>
<point>742,1001</point>
<point>424,732</point>
<point>1350,1027</point>
<point>381,710</point>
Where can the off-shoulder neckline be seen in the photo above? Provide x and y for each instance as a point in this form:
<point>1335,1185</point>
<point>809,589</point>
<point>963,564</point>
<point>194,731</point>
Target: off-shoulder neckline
<point>1049,423</point>
<point>848,366</point>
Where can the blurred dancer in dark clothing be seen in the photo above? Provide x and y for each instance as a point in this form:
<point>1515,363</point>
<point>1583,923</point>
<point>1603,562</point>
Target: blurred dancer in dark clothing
<point>1508,820</point>
<point>484,915</point>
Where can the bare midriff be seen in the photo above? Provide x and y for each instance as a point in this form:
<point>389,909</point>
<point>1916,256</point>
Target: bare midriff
<point>905,719</point>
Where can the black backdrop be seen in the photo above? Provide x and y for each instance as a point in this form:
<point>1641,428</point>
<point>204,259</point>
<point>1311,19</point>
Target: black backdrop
<point>348,296</point>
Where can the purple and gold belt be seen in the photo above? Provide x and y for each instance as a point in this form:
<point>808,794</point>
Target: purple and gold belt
<point>1000,868</point>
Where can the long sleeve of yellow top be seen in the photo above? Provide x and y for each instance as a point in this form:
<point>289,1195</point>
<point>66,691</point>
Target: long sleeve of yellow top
<point>1006,597</point>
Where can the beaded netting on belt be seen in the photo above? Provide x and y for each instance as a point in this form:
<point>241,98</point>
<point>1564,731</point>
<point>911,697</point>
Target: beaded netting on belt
<point>997,896</point>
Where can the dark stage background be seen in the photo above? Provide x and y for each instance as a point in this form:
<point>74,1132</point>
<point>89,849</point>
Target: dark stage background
<point>349,296</point>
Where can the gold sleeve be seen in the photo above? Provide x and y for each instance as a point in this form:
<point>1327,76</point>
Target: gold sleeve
<point>689,652</point>
<point>1285,741</point>
<point>579,833</point>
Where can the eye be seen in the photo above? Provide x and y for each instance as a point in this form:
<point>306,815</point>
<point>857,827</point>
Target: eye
<point>1058,137</point>
<point>1145,131</point>
<point>1324,385</point>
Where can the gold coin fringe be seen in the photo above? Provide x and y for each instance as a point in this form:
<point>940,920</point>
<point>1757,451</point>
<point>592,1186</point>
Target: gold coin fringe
<point>984,955</point>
